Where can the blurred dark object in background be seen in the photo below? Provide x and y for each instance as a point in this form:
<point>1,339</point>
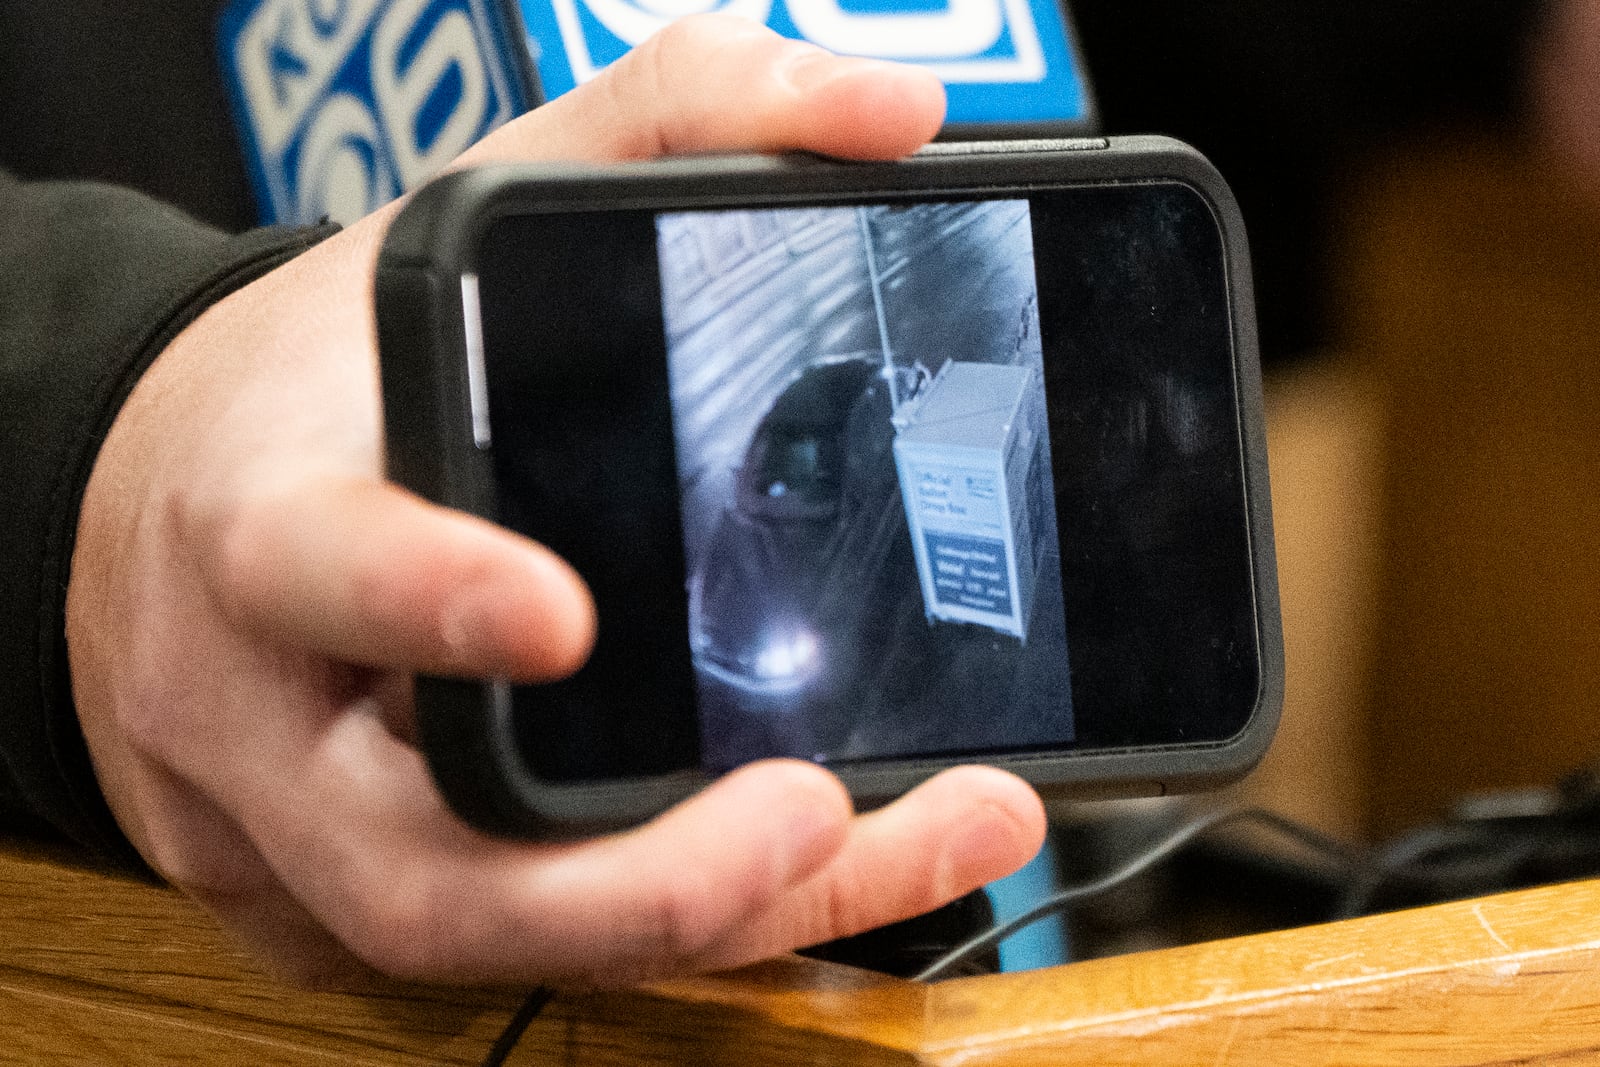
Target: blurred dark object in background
<point>906,947</point>
<point>1240,879</point>
<point>1292,100</point>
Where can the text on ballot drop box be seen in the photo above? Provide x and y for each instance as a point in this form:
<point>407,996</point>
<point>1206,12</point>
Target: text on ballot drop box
<point>969,460</point>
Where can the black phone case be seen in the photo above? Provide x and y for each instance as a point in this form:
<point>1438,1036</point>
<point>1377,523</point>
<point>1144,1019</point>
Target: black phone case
<point>431,372</point>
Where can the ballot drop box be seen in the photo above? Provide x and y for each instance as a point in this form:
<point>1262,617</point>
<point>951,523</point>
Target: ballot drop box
<point>970,459</point>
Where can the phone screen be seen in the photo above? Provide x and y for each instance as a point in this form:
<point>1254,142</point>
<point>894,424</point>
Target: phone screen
<point>854,482</point>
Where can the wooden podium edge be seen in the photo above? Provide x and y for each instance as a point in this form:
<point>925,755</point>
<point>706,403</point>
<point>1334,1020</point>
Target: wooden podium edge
<point>1512,977</point>
<point>91,961</point>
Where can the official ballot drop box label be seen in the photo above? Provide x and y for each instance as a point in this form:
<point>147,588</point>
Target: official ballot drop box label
<point>970,571</point>
<point>966,459</point>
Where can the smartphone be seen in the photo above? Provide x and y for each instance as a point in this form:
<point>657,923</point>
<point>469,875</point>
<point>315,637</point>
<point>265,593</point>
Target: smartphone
<point>886,466</point>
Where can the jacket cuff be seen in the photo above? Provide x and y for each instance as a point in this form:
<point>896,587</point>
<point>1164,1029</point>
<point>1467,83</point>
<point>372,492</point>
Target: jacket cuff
<point>95,282</point>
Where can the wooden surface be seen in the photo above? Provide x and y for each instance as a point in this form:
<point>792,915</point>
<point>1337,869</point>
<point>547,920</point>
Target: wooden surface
<point>104,970</point>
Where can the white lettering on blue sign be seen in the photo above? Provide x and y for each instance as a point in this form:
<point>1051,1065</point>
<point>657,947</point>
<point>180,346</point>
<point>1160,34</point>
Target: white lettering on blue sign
<point>962,28</point>
<point>970,571</point>
<point>344,104</point>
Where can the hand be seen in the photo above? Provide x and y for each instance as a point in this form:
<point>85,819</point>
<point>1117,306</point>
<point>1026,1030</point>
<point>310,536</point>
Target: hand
<point>249,600</point>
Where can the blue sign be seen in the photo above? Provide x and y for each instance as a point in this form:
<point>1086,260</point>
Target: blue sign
<point>344,104</point>
<point>1002,61</point>
<point>970,571</point>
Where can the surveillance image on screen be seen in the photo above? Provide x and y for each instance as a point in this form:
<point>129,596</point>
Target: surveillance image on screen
<point>869,522</point>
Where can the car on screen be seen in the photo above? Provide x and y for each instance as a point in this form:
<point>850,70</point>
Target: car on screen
<point>796,590</point>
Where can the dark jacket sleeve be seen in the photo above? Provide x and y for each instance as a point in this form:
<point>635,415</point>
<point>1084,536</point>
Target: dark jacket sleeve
<point>95,280</point>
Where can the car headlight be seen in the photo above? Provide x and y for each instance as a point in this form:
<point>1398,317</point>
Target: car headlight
<point>787,657</point>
